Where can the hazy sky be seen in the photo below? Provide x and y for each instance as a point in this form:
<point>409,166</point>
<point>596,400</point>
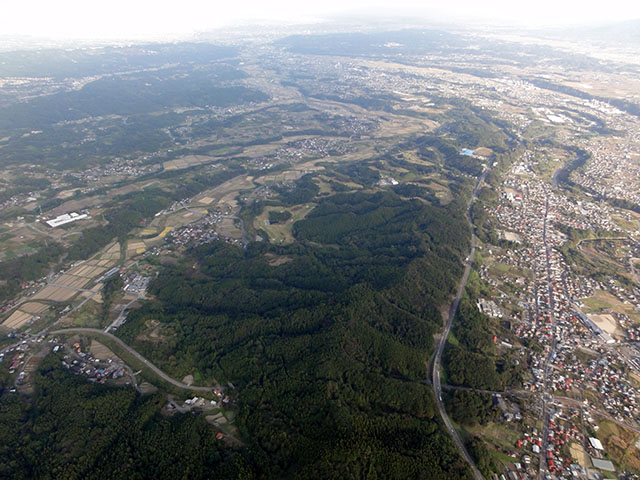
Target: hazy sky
<point>139,18</point>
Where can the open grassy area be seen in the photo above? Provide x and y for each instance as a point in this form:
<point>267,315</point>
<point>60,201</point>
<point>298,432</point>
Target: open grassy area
<point>630,225</point>
<point>281,233</point>
<point>88,316</point>
<point>602,300</point>
<point>499,435</point>
<point>619,444</point>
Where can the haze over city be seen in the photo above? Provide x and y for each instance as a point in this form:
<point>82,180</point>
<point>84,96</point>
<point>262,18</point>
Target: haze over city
<point>118,19</point>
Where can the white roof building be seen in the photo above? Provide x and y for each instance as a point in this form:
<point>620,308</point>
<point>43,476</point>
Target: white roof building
<point>66,218</point>
<point>595,443</point>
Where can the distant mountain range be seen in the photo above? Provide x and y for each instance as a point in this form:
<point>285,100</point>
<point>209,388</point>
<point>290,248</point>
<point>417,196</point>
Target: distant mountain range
<point>621,32</point>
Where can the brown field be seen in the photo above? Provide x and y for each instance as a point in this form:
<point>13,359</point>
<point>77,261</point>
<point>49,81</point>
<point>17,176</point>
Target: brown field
<point>65,287</point>
<point>80,270</point>
<point>116,192</point>
<point>100,351</point>
<point>24,314</point>
<point>287,176</point>
<point>619,443</point>
<point>276,260</point>
<point>188,161</point>
<point>579,455</point>
<point>229,202</point>
<point>483,151</point>
<point>94,272</point>
<point>227,228</point>
<point>17,319</point>
<point>33,307</point>
<point>606,323</point>
<point>67,193</point>
<point>72,281</point>
<point>74,206</point>
<point>55,294</point>
<point>604,300</point>
<point>88,270</point>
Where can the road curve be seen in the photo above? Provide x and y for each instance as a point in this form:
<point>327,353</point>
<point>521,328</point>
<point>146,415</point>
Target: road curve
<point>156,370</point>
<point>437,385</point>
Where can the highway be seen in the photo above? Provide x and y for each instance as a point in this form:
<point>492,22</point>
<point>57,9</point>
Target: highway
<point>156,370</point>
<point>436,382</point>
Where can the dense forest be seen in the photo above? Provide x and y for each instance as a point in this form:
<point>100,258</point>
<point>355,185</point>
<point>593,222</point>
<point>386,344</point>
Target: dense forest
<point>471,360</point>
<point>327,339</point>
<point>76,430</point>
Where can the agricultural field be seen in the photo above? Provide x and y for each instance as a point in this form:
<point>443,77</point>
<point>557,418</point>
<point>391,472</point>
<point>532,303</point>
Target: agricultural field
<point>622,445</point>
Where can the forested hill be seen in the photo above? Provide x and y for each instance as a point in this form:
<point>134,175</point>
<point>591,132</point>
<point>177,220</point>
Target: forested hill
<point>77,430</point>
<point>327,339</point>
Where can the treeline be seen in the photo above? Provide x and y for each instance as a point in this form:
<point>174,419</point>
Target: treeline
<point>112,287</point>
<point>623,203</point>
<point>470,408</point>
<point>473,127</point>
<point>279,217</point>
<point>481,217</point>
<point>15,271</point>
<point>408,42</point>
<point>125,213</point>
<point>134,94</point>
<point>23,184</point>
<point>437,148</point>
<point>360,172</point>
<point>60,146</point>
<point>131,211</point>
<point>329,349</point>
<point>471,361</point>
<point>302,191</point>
<point>563,174</point>
<point>620,103</point>
<point>81,62</point>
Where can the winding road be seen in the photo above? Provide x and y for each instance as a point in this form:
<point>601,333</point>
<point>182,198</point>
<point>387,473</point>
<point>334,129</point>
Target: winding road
<point>436,381</point>
<point>156,370</point>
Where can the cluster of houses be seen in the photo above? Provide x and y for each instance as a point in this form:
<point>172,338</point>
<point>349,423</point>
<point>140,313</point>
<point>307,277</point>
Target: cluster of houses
<point>612,170</point>
<point>118,167</point>
<point>197,233</point>
<point>577,350</point>
<point>84,363</point>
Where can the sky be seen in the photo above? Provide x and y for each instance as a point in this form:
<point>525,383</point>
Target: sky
<point>114,19</point>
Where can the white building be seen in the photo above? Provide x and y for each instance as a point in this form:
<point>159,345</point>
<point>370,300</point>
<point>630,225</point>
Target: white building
<point>66,218</point>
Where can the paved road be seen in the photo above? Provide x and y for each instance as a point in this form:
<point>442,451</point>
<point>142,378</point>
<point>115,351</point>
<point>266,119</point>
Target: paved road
<point>156,370</point>
<point>436,382</point>
<point>121,317</point>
